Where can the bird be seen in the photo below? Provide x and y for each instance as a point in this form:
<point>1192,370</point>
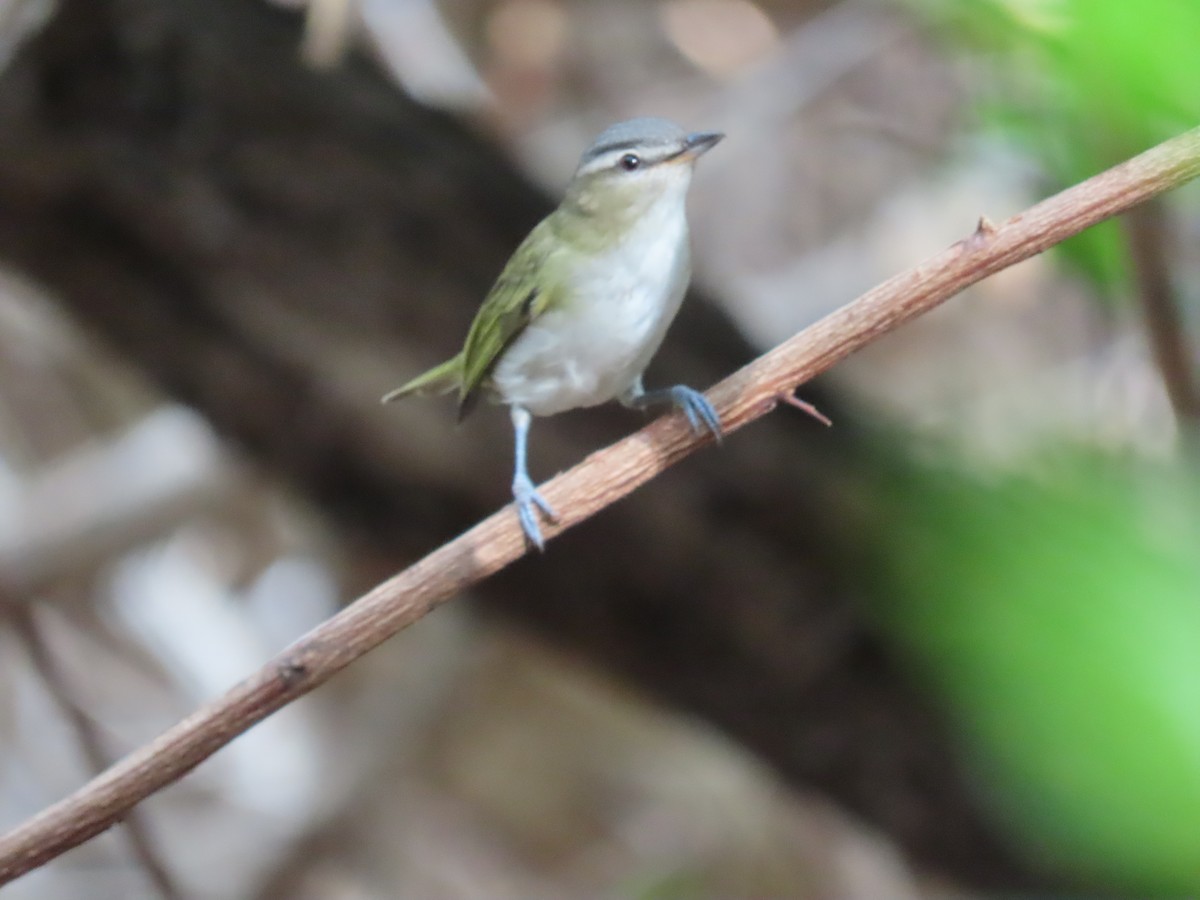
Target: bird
<point>586,299</point>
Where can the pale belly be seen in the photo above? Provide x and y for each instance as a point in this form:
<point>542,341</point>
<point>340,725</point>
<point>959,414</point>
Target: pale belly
<point>596,348</point>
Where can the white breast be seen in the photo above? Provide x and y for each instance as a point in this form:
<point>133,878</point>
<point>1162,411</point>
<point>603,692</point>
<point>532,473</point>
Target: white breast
<point>593,349</point>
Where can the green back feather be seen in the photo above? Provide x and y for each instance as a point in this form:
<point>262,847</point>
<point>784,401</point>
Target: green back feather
<point>526,288</point>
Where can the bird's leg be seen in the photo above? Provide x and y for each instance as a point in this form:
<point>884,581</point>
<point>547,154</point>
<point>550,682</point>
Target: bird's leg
<point>700,413</point>
<point>524,493</point>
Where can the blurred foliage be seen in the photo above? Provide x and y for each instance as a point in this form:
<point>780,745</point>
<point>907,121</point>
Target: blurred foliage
<point>1059,615</point>
<point>681,884</point>
<point>1080,85</point>
<point>1061,625</point>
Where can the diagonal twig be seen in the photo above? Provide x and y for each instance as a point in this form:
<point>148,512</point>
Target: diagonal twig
<point>601,479</point>
<point>21,618</point>
<point>1147,230</point>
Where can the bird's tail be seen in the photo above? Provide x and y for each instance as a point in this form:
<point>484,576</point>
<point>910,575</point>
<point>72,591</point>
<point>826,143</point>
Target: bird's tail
<point>441,379</point>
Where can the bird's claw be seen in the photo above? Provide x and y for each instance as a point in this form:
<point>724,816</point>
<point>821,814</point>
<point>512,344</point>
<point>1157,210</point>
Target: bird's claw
<point>529,502</point>
<point>699,411</point>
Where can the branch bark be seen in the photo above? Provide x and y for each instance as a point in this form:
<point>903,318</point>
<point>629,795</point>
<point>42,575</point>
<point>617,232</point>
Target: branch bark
<point>598,481</point>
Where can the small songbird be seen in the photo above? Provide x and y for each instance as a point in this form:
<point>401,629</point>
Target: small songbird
<point>586,299</point>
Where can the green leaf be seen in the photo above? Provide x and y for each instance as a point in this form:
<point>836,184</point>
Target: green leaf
<point>1080,85</point>
<point>1062,627</point>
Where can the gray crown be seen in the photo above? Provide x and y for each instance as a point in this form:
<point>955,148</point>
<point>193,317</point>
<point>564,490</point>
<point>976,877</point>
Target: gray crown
<point>646,132</point>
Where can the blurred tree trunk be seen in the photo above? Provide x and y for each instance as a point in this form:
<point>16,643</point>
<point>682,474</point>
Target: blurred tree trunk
<point>276,247</point>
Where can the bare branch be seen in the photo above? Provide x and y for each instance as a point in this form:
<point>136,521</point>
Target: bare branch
<point>1149,246</point>
<point>601,479</point>
<point>22,620</point>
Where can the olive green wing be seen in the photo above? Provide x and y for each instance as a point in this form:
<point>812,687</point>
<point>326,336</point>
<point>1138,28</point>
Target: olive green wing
<point>441,379</point>
<point>526,288</point>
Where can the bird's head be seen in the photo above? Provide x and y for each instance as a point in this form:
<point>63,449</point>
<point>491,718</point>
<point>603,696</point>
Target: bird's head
<point>631,167</point>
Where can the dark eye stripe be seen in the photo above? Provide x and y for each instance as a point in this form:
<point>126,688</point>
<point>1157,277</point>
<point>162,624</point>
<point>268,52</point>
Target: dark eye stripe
<point>597,152</point>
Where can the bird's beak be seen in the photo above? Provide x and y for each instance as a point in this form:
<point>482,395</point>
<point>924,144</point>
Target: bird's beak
<point>698,143</point>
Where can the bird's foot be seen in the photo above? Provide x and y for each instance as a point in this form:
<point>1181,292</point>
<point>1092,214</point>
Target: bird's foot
<point>700,413</point>
<point>528,503</point>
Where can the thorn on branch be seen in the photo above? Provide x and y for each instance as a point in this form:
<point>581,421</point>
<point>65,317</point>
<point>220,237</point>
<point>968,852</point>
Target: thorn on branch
<point>985,228</point>
<point>804,406</point>
<point>292,671</point>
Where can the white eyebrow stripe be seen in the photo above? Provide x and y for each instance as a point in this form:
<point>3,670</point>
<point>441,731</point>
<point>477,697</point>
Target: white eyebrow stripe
<point>611,148</point>
<point>608,158</point>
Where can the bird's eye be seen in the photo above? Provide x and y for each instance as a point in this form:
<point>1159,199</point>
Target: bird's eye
<point>630,161</point>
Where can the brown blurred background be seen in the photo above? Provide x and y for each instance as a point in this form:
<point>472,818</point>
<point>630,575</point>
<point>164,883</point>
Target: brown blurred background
<point>227,227</point>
